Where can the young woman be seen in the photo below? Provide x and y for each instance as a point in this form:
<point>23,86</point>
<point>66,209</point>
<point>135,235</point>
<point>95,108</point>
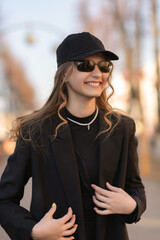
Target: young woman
<point>80,154</point>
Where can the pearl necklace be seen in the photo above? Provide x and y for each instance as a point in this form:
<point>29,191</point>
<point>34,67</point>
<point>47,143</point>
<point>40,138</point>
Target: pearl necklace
<point>85,124</point>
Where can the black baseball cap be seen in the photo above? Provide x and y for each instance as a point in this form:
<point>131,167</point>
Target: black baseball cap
<point>80,45</point>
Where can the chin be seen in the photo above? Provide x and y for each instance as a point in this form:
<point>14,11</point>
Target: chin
<point>94,95</point>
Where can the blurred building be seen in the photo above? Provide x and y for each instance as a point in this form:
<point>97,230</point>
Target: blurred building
<point>146,117</point>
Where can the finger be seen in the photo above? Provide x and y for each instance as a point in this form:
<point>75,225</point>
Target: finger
<point>68,216</point>
<point>68,238</point>
<point>51,212</point>
<point>70,231</point>
<point>112,188</point>
<point>103,212</point>
<point>99,204</point>
<point>70,223</point>
<point>101,190</point>
<point>102,198</point>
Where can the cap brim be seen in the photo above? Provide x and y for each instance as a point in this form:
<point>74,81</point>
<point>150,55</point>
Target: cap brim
<point>109,55</point>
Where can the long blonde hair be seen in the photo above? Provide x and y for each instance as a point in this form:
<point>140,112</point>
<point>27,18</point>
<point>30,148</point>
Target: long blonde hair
<point>56,101</point>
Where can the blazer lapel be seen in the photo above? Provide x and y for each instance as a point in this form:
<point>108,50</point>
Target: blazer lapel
<point>66,163</point>
<point>109,151</point>
<point>109,147</point>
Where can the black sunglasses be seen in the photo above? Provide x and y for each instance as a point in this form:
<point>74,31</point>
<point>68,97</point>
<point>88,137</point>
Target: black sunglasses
<point>89,65</point>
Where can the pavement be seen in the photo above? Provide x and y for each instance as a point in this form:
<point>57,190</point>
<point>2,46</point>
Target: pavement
<point>148,228</point>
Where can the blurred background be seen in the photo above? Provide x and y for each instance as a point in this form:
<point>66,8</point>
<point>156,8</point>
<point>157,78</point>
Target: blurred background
<point>30,31</point>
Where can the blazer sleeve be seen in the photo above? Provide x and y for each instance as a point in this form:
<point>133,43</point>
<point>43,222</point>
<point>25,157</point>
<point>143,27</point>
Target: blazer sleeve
<point>133,185</point>
<point>16,220</point>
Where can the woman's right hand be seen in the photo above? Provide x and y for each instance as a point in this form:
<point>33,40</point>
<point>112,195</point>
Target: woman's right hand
<point>49,228</point>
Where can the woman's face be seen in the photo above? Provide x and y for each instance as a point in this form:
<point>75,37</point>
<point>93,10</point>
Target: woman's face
<point>87,84</point>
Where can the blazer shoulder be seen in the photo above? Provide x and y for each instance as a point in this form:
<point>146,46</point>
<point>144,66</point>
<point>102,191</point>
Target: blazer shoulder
<point>127,123</point>
<point>124,123</point>
<point>126,120</point>
<point>120,122</point>
<point>37,133</point>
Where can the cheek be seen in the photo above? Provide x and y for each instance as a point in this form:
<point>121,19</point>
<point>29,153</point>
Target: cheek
<point>75,83</point>
<point>79,80</point>
<point>105,81</point>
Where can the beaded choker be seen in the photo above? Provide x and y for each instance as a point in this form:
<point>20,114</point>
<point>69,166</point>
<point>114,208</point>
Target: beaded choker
<point>85,124</point>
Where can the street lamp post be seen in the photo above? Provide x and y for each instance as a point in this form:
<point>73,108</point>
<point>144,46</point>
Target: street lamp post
<point>42,26</point>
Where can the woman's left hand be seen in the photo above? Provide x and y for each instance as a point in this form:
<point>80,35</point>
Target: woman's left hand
<point>115,201</point>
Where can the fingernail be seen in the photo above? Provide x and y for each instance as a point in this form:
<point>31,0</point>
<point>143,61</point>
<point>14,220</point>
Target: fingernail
<point>76,225</point>
<point>73,237</point>
<point>53,204</point>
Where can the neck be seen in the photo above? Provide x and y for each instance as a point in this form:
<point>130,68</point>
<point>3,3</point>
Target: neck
<point>82,108</point>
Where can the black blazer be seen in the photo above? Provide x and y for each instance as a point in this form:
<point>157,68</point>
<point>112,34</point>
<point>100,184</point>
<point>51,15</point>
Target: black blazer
<point>55,178</point>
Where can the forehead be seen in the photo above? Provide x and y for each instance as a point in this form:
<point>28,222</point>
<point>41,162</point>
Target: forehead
<point>96,57</point>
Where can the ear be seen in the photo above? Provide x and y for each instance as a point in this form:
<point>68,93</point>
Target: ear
<point>65,76</point>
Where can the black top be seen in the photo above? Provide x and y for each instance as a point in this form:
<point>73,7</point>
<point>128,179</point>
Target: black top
<point>86,149</point>
<point>85,142</point>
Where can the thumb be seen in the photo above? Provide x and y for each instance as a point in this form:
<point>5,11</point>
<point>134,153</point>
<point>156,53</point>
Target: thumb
<point>51,212</point>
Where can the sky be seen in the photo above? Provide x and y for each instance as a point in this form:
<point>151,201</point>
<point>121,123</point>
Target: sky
<point>49,21</point>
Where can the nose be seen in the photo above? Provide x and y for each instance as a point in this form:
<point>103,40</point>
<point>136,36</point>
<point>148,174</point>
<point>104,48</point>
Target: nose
<point>96,72</point>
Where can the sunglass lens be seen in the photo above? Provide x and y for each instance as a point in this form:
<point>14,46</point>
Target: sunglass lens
<point>85,66</point>
<point>105,66</point>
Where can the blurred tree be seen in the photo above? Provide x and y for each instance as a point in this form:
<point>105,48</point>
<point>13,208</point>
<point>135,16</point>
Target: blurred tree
<point>114,22</point>
<point>120,24</point>
<point>129,27</point>
<point>154,11</point>
<point>22,92</point>
<point>16,93</point>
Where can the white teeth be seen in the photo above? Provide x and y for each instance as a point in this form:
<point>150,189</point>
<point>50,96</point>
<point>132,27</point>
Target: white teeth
<point>93,84</point>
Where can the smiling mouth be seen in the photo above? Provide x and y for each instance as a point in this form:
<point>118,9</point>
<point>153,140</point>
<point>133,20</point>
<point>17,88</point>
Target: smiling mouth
<point>94,84</point>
